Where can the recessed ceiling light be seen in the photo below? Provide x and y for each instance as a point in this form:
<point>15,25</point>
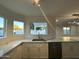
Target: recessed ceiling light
<point>38,4</point>
<point>57,20</point>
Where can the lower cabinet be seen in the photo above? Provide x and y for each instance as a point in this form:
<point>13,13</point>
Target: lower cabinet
<point>45,50</point>
<point>15,53</point>
<point>29,50</point>
<point>70,50</point>
<point>35,50</point>
<point>67,49</point>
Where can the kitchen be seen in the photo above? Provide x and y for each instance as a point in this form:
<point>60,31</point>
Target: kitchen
<point>39,29</point>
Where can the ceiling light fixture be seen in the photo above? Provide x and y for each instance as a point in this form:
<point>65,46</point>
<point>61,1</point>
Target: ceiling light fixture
<point>36,2</point>
<point>57,20</point>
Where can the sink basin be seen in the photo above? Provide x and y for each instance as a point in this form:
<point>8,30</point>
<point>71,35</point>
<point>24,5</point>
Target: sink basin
<point>38,40</point>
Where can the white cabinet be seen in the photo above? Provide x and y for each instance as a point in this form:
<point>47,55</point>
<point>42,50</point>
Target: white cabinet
<point>75,50</point>
<point>44,50</point>
<point>16,53</point>
<point>70,49</point>
<point>66,50</point>
<point>35,50</point>
<point>30,50</point>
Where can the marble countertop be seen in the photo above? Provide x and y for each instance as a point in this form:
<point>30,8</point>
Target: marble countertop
<point>6,48</point>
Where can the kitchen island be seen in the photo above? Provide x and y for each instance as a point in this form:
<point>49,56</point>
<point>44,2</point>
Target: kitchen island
<point>25,49</point>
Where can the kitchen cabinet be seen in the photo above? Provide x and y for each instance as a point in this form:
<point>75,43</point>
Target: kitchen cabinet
<point>5,57</point>
<point>35,50</point>
<point>67,49</point>
<point>70,50</point>
<point>75,52</point>
<point>29,50</point>
<point>15,53</point>
<point>44,50</point>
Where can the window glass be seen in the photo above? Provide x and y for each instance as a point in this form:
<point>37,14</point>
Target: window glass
<point>39,28</point>
<point>2,27</point>
<point>66,30</point>
<point>18,27</point>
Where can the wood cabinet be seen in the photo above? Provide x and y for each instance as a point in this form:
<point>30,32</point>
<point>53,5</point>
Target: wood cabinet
<point>75,50</point>
<point>67,50</point>
<point>29,50</point>
<point>70,50</point>
<point>35,50</point>
<point>44,50</point>
<point>15,53</point>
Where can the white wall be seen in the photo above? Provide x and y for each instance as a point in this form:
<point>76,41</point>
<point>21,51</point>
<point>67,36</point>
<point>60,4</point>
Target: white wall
<point>9,17</point>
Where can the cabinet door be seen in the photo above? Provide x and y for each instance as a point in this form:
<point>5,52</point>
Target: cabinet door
<point>31,50</point>
<point>44,50</point>
<point>12,54</point>
<point>67,50</point>
<point>25,51</point>
<point>34,51</point>
<point>16,53</point>
<point>75,50</point>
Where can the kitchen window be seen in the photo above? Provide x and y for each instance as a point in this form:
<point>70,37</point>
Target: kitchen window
<point>66,30</point>
<point>39,28</point>
<point>2,27</point>
<point>18,28</point>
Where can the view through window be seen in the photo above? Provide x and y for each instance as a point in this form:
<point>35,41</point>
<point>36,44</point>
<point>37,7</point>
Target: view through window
<point>39,28</point>
<point>2,27</point>
<point>66,30</point>
<point>18,27</point>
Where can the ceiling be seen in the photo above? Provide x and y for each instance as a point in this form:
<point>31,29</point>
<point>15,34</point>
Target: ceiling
<point>54,8</point>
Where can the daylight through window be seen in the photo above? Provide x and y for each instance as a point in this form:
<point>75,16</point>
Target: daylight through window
<point>18,27</point>
<point>2,27</point>
<point>39,28</point>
